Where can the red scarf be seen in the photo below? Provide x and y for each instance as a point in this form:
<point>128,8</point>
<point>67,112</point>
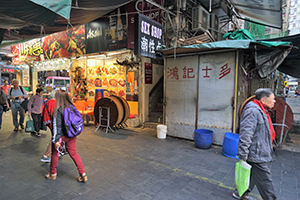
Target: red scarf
<point>47,114</point>
<point>263,108</point>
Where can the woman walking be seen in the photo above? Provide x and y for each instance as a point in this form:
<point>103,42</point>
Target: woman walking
<point>35,107</point>
<point>48,118</point>
<point>60,137</point>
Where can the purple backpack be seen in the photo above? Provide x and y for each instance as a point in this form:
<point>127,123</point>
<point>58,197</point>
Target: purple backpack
<point>73,121</point>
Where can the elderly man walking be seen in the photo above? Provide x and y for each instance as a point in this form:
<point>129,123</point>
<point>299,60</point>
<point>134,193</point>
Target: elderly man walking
<point>17,94</point>
<point>255,143</point>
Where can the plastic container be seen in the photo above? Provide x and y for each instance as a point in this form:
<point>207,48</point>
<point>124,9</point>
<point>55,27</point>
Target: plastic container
<point>203,138</point>
<point>230,145</point>
<point>161,131</point>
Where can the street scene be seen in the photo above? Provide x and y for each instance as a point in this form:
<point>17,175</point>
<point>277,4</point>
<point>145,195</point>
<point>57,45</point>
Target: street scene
<point>132,163</point>
<point>150,99</point>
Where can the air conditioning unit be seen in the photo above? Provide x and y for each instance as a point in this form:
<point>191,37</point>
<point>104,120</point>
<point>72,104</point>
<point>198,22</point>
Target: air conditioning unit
<point>200,18</point>
<point>215,26</point>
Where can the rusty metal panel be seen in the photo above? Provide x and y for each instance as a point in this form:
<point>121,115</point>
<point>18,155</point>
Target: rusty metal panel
<point>181,95</point>
<point>216,93</point>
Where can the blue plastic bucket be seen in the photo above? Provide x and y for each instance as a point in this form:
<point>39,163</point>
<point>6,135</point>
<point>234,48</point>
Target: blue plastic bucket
<point>230,145</point>
<point>203,138</point>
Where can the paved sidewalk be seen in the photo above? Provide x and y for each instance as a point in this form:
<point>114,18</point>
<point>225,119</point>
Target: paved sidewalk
<point>129,164</point>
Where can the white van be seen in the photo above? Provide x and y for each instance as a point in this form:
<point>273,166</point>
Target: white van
<point>57,82</point>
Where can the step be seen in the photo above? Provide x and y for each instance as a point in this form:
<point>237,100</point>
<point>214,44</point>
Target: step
<point>152,125</point>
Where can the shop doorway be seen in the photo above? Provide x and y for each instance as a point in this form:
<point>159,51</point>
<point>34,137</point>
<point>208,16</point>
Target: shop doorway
<point>156,102</point>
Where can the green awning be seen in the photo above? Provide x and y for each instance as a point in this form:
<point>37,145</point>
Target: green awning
<point>60,7</point>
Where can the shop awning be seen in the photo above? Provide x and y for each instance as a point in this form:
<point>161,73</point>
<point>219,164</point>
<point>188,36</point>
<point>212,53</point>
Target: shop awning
<point>224,44</point>
<point>268,54</point>
<point>28,19</point>
<point>265,11</point>
<point>291,65</point>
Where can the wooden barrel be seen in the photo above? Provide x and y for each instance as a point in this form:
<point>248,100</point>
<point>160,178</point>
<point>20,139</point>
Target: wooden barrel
<point>119,107</point>
<point>125,107</point>
<point>114,111</point>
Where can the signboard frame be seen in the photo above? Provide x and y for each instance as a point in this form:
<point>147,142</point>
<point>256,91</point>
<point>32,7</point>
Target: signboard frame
<point>149,36</point>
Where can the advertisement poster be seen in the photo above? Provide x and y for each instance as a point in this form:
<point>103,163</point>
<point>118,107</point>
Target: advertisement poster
<point>64,44</point>
<point>132,88</point>
<point>106,80</point>
<point>116,33</point>
<point>148,73</point>
<point>95,34</point>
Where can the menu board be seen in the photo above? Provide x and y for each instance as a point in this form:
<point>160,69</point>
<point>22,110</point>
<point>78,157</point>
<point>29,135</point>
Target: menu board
<point>110,78</point>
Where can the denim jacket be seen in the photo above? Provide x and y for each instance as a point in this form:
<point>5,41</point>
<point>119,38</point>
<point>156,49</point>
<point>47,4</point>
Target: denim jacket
<point>255,143</point>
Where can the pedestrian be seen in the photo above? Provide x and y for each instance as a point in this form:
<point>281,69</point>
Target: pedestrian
<point>5,89</point>
<point>3,102</point>
<point>17,95</point>
<point>48,119</point>
<point>255,143</point>
<point>60,136</point>
<point>35,108</point>
<point>286,92</point>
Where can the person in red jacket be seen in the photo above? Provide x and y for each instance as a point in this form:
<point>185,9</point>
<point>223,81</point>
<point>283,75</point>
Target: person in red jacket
<point>48,119</point>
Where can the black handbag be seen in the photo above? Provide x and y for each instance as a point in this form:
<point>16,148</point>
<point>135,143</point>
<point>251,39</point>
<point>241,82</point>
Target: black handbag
<point>5,108</point>
<point>24,105</point>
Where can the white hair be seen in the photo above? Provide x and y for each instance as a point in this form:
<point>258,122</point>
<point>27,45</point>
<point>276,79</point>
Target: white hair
<point>53,94</point>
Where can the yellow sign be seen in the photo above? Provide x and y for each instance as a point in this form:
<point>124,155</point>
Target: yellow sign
<point>286,83</point>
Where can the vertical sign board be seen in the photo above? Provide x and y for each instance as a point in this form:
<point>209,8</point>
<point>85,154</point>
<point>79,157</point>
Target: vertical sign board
<point>181,95</point>
<point>149,36</point>
<point>148,73</point>
<point>147,9</point>
<point>216,93</point>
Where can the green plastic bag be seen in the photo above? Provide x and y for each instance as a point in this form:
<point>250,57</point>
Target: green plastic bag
<point>242,176</point>
<point>29,126</point>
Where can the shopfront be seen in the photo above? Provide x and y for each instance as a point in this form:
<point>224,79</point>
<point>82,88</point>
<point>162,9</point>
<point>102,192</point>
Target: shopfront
<point>98,60</point>
<point>10,72</point>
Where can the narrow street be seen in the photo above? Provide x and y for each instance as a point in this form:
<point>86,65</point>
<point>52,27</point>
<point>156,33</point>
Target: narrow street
<point>129,164</point>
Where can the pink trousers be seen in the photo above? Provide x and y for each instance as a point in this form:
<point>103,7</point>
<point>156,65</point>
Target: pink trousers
<point>71,148</point>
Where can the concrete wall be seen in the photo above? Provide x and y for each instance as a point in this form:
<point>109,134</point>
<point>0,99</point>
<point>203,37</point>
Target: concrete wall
<point>181,77</point>
<point>200,92</point>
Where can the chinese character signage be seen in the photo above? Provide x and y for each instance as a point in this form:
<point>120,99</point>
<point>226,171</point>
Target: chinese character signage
<point>148,73</point>
<point>222,71</point>
<point>27,51</point>
<point>149,37</point>
<point>181,73</point>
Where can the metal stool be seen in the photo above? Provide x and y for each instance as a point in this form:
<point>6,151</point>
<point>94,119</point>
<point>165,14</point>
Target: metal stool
<point>102,118</point>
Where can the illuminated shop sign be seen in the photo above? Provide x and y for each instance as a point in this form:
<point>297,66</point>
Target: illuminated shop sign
<point>149,37</point>
<point>8,70</point>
